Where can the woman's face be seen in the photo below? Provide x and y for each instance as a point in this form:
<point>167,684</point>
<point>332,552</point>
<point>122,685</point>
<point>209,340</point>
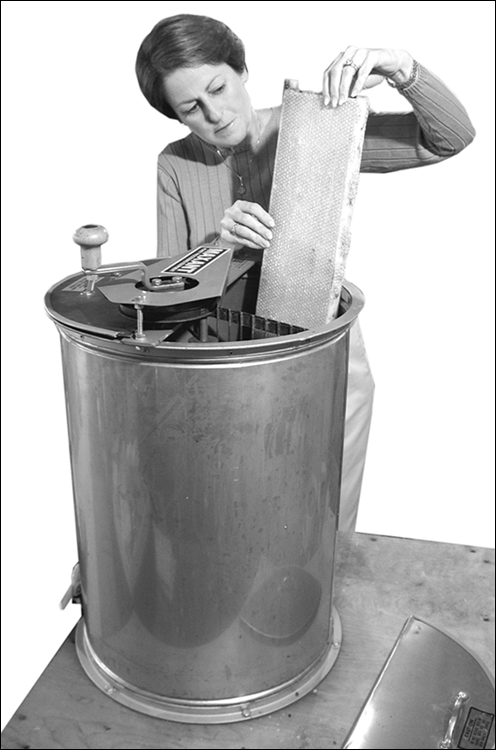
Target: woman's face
<point>213,102</point>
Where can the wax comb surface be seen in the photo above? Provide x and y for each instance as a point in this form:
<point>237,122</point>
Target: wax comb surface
<point>313,192</point>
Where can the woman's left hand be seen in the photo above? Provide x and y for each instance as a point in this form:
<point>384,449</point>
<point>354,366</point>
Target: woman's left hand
<point>358,68</point>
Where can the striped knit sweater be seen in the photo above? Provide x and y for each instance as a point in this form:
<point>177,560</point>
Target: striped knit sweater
<point>196,184</point>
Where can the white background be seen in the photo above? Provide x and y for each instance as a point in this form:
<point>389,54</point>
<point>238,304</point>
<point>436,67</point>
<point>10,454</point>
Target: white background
<point>80,146</point>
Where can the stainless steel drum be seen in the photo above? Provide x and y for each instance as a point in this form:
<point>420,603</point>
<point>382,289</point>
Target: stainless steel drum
<point>206,483</point>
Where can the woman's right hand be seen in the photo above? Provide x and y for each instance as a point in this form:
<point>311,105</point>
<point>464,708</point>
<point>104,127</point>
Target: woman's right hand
<point>246,224</point>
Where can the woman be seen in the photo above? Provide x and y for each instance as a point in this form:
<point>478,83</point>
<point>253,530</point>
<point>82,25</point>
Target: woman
<point>214,185</point>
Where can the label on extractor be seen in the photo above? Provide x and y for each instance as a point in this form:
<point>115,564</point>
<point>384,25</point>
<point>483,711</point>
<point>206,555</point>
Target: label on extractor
<point>195,261</point>
<point>476,730</point>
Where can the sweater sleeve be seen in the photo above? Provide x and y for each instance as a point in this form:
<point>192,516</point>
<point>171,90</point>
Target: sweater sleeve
<point>438,128</point>
<point>172,225</point>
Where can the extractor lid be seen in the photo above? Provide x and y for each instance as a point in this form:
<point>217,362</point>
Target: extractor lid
<point>431,693</point>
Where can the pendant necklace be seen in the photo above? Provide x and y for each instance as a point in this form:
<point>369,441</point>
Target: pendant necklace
<point>242,187</point>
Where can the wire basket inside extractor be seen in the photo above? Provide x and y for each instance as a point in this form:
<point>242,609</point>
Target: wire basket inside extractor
<point>237,325</point>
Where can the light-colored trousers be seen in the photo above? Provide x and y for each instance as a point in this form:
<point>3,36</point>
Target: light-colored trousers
<point>357,426</point>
